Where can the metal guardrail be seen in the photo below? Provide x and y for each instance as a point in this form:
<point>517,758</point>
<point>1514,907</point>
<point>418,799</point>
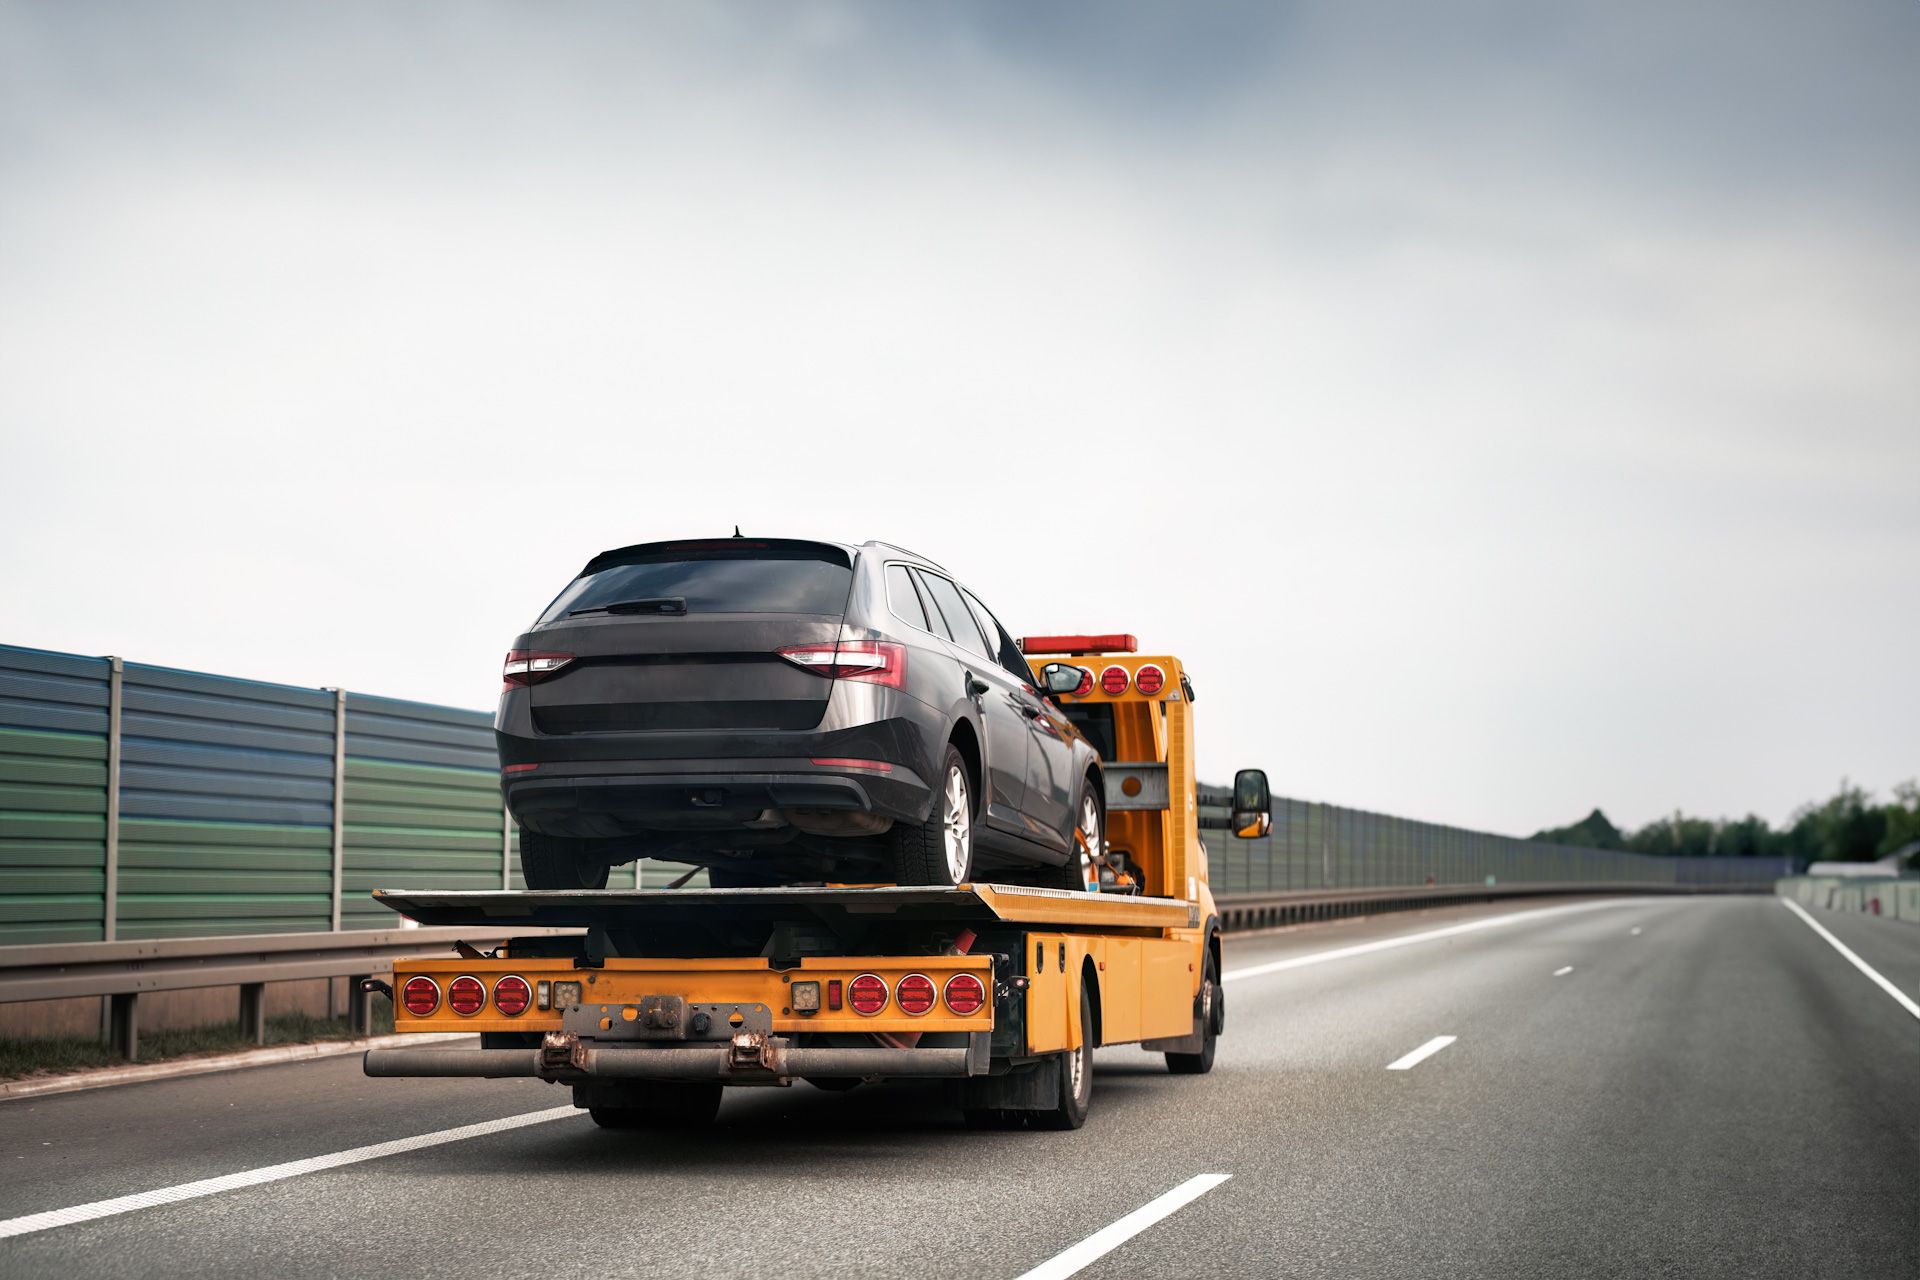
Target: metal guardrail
<point>124,971</point>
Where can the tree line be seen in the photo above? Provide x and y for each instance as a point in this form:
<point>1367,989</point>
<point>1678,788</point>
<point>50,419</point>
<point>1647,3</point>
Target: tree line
<point>1850,826</point>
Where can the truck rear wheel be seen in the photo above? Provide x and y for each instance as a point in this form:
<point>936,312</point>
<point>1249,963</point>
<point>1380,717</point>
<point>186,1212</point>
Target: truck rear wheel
<point>650,1104</point>
<point>1076,1076</point>
<point>557,862</point>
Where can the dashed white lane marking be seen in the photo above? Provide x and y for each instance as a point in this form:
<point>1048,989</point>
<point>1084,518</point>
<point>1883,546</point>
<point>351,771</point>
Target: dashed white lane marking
<point>1906,1001</point>
<point>1421,1054</point>
<point>1635,931</point>
<point>270,1173</point>
<point>1107,1239</point>
<point>1408,939</point>
<point>1563,971</point>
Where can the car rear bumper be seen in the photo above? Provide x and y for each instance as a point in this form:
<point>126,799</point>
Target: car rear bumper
<point>610,798</point>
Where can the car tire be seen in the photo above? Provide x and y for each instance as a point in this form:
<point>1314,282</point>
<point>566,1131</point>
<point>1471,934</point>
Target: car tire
<point>556,862</point>
<point>1212,1018</point>
<point>939,851</point>
<point>1076,1076</point>
<point>657,1104</point>
<point>1092,823</point>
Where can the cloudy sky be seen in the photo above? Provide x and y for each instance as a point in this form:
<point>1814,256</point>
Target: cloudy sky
<point>1503,408</point>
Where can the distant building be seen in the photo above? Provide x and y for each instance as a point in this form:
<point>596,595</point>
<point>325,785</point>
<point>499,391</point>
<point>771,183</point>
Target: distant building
<point>1887,866</point>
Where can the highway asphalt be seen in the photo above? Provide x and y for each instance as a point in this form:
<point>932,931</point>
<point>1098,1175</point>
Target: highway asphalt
<point>1644,1087</point>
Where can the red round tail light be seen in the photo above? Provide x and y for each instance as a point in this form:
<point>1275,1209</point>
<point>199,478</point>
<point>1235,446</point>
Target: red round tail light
<point>512,995</point>
<point>1114,681</point>
<point>1085,686</point>
<point>965,994</point>
<point>420,997</point>
<point>1149,679</point>
<point>466,996</point>
<point>867,994</point>
<point>915,994</point>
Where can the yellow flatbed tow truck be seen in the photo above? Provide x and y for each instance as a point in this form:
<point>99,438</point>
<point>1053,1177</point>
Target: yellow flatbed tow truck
<point>670,995</point>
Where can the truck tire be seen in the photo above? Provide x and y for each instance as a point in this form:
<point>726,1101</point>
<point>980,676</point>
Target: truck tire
<point>556,862</point>
<point>939,851</point>
<point>1076,1076</point>
<point>653,1104</point>
<point>1212,1017</point>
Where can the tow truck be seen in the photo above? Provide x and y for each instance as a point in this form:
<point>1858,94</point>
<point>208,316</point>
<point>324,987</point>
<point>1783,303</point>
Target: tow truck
<point>664,997</point>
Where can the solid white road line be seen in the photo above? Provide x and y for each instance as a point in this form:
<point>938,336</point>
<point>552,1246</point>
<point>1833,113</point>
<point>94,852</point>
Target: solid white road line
<point>271,1173</point>
<point>1408,939</point>
<point>1107,1239</point>
<point>1906,1001</point>
<point>1421,1054</point>
<point>1563,972</point>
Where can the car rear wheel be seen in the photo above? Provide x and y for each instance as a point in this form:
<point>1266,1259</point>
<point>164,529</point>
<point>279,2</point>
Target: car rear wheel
<point>556,862</point>
<point>938,851</point>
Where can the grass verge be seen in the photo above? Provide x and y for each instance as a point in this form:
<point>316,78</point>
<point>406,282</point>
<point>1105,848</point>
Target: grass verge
<point>22,1058</point>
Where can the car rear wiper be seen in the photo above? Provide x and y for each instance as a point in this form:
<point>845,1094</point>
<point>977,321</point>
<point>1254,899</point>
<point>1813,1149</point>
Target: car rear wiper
<point>650,604</point>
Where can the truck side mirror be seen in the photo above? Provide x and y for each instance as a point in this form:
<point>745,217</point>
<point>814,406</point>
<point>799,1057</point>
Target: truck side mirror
<point>1252,804</point>
<point>1059,677</point>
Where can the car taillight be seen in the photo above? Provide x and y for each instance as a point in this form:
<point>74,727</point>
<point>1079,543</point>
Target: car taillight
<point>530,666</point>
<point>1085,686</point>
<point>466,996</point>
<point>966,994</point>
<point>420,997</point>
<point>915,994</point>
<point>1114,680</point>
<point>512,995</point>
<point>875,661</point>
<point>1149,679</point>
<point>867,994</point>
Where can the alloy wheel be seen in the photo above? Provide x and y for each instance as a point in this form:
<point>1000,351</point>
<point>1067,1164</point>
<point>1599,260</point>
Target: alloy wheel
<point>958,821</point>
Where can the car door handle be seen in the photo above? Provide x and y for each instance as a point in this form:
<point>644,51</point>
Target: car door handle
<point>976,687</point>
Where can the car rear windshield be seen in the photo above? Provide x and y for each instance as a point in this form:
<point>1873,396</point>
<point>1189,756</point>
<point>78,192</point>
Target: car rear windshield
<point>807,579</point>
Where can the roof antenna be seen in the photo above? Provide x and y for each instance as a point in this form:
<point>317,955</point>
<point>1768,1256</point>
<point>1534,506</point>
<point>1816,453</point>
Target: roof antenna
<point>736,531</point>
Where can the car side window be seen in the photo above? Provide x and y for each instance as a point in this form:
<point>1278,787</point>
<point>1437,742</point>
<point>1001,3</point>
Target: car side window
<point>960,624</point>
<point>903,599</point>
<point>997,636</point>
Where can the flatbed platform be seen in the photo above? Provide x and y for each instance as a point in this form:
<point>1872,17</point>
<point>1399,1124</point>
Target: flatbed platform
<point>635,908</point>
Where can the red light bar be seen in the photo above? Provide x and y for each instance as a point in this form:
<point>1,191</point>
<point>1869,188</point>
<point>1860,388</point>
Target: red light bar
<point>1115,643</point>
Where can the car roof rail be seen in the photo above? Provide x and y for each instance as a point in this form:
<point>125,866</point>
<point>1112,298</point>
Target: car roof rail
<point>894,546</point>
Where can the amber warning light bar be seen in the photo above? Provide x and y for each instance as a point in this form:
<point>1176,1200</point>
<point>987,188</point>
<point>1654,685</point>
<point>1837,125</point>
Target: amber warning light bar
<point>1115,643</point>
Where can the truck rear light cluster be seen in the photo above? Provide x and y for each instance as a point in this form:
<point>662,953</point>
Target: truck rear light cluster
<point>420,996</point>
<point>512,995</point>
<point>1114,681</point>
<point>1085,686</point>
<point>466,996</point>
<point>1149,679</point>
<point>966,994</point>
<point>874,661</point>
<point>867,994</point>
<point>915,992</point>
<point>530,666</point>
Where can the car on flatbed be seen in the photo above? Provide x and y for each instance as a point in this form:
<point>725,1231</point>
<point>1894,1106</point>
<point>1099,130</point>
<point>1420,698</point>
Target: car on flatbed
<point>783,711</point>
